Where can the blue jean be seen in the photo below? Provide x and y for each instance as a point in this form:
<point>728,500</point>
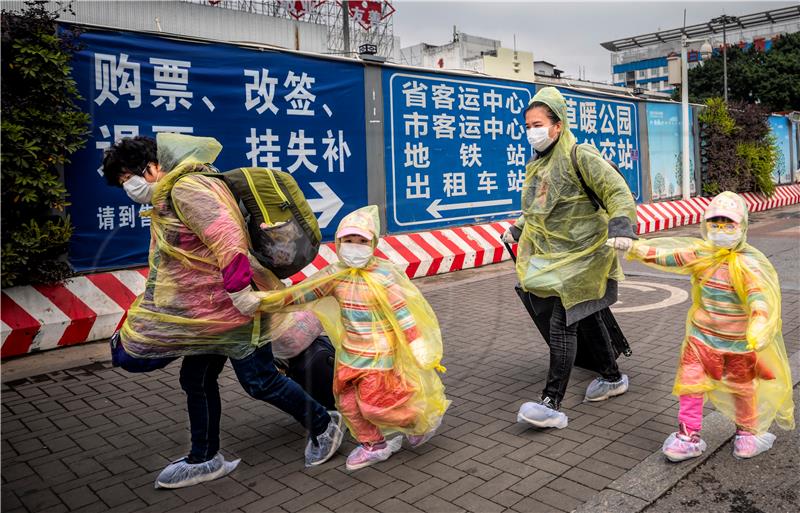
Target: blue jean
<point>563,348</point>
<point>259,378</point>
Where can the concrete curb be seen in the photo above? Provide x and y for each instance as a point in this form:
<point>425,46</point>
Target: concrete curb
<point>91,307</point>
<point>645,483</point>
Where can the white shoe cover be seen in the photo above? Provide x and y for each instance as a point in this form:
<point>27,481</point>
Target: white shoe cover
<point>180,474</point>
<point>541,416</point>
<point>600,389</point>
<point>749,445</point>
<point>678,449</point>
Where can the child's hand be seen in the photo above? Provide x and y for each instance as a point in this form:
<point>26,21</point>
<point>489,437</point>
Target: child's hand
<point>424,357</point>
<point>756,338</point>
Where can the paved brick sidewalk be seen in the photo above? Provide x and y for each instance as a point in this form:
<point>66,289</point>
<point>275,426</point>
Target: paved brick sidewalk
<point>94,438</point>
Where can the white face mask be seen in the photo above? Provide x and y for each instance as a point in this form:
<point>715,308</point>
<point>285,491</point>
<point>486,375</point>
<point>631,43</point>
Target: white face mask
<point>355,255</point>
<point>725,240</point>
<point>539,138</point>
<point>138,189</point>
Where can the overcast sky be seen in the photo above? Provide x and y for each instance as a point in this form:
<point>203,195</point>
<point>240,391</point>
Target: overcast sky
<point>567,34</point>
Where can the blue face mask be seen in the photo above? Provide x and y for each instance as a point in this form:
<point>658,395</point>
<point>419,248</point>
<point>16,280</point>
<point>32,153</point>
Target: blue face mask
<point>138,189</point>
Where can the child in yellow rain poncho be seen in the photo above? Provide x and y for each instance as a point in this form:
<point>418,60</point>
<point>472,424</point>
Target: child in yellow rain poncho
<point>733,352</point>
<point>387,338</point>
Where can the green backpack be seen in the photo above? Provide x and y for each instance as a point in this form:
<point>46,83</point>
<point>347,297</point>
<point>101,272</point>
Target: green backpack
<point>283,230</point>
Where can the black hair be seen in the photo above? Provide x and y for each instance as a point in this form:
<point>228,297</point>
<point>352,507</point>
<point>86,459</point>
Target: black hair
<point>552,116</point>
<point>129,155</point>
<point>720,219</point>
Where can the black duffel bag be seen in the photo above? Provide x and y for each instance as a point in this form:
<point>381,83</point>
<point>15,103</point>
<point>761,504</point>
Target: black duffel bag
<point>312,369</point>
<point>596,332</point>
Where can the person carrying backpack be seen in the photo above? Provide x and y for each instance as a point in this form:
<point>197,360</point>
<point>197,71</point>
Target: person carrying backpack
<point>196,302</point>
<point>562,254</point>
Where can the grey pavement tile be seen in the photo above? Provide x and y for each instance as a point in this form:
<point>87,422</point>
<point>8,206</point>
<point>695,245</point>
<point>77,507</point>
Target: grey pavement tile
<point>445,472</point>
<point>556,499</point>
<point>479,470</point>
<point>78,496</point>
<point>347,495</point>
<point>477,504</point>
<point>496,485</point>
<point>308,498</point>
<point>271,501</point>
<point>40,500</point>
<point>355,507</point>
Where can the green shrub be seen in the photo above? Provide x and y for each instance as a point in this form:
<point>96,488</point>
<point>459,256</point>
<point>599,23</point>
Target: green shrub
<point>716,114</point>
<point>760,159</point>
<point>741,152</point>
<point>41,128</point>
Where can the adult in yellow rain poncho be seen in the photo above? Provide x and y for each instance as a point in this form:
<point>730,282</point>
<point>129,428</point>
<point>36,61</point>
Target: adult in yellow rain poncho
<point>198,300</point>
<point>387,338</point>
<point>733,352</point>
<point>562,257</point>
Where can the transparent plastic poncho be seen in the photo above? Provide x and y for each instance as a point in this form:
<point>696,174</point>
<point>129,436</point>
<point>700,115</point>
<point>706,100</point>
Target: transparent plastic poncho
<point>369,314</point>
<point>196,230</point>
<point>735,334</point>
<point>562,249</point>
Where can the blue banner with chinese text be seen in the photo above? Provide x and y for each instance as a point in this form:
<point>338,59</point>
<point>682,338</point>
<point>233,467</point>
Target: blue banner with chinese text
<point>268,109</point>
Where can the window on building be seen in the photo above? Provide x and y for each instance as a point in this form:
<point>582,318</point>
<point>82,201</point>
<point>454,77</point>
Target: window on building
<point>653,72</point>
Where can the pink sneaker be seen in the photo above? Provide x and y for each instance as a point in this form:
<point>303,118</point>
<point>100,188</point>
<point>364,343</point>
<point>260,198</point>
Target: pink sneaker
<point>683,445</point>
<point>747,445</point>
<point>365,455</point>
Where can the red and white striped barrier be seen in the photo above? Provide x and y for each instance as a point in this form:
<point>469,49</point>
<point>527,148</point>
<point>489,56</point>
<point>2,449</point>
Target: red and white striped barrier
<point>91,307</point>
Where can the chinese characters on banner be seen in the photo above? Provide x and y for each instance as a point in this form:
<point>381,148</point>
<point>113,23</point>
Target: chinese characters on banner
<point>665,149</point>
<point>268,109</point>
<point>456,149</point>
<point>611,126</point>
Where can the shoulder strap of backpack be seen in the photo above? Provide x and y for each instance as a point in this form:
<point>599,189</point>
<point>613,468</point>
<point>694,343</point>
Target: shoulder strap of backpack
<point>593,197</point>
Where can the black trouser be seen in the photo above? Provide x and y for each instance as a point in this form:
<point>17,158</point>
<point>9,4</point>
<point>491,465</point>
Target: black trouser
<point>563,347</point>
<point>259,378</point>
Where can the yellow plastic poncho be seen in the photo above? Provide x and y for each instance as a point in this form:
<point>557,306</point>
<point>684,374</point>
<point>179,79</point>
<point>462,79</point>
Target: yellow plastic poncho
<point>733,351</point>
<point>196,230</point>
<point>373,315</point>
<point>562,249</point>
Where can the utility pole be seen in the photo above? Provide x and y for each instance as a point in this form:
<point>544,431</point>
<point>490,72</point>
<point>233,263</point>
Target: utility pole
<point>346,26</point>
<point>725,19</point>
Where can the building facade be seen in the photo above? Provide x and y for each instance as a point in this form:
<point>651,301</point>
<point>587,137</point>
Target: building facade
<point>305,26</point>
<point>641,61</point>
<point>453,55</point>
